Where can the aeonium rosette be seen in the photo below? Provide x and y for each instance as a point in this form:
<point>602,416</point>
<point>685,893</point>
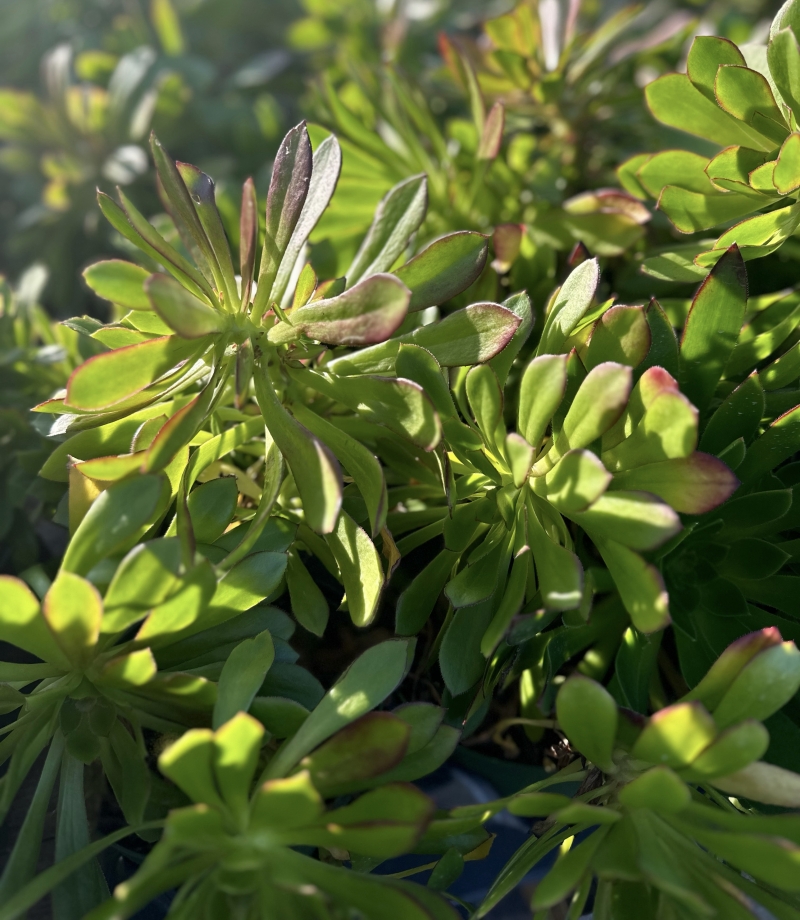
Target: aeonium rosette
<point>198,339</point>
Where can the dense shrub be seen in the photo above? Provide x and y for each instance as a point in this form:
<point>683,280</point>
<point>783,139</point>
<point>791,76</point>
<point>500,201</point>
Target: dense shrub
<point>374,462</point>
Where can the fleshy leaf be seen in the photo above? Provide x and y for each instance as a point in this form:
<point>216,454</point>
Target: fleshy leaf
<point>675,736</point>
<point>109,378</point>
<point>360,567</point>
<point>288,190</point>
<point>712,327</point>
<point>399,214</point>
<point>364,314</point>
<point>313,466</point>
<point>189,317</point>
<point>120,282</point>
<point>363,686</point>
<point>444,269</point>
<point>588,715</point>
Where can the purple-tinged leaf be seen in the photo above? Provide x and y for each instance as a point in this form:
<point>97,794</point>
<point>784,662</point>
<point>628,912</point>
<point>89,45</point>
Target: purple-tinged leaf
<point>506,242</point>
<point>492,134</point>
<point>107,379</point>
<point>667,430</point>
<point>248,238</point>
<point>363,315</point>
<point>326,167</point>
<point>444,269</point>
<point>361,751</point>
<point>201,191</point>
<point>692,485</point>
<point>182,208</point>
<point>288,189</point>
<point>653,382</point>
<point>730,663</point>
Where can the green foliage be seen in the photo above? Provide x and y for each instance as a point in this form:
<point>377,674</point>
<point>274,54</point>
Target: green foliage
<point>362,396</point>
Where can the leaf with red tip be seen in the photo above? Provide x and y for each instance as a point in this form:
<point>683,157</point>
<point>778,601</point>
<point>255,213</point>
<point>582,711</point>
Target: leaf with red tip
<point>730,663</point>
<point>691,485</point>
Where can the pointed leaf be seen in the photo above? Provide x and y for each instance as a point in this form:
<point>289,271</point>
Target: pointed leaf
<point>201,191</point>
<point>288,191</point>
<point>398,216</point>
<point>359,463</point>
<point>775,445</point>
<point>598,404</point>
<point>569,306</point>
<point>325,169</point>
<point>712,327</point>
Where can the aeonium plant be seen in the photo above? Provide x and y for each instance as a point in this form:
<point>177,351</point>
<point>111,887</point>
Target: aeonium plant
<point>165,647</point>
<point>745,100</point>
<point>255,813</point>
<point>593,479</point>
<point>202,331</point>
<point>666,821</point>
